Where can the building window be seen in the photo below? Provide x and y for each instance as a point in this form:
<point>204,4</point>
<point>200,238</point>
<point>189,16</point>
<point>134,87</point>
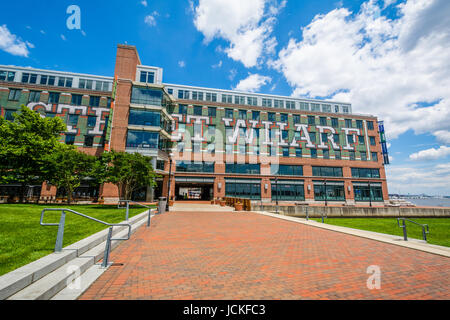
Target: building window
<point>369,125</point>
<point>88,141</point>
<point>196,95</point>
<point>336,108</point>
<point>142,139</point>
<point>326,108</point>
<point>242,168</point>
<point>290,105</point>
<point>352,155</point>
<point>327,171</point>
<point>35,96</point>
<point>348,123</point>
<point>271,116</point>
<point>367,192</point>
<point>361,140</point>
<point>144,118</point>
<point>315,107</point>
<point>227,98</point>
<point>146,96</point>
<point>287,191</point>
<point>25,77</point>
<point>345,109</point>
<point>92,121</point>
<point>312,136</point>
<point>329,191</point>
<point>211,96</point>
<point>374,156</point>
<point>337,155</point>
<point>313,153</point>
<point>363,156</point>
<point>350,139</point>
<point>198,110</point>
<point>323,121</point>
<point>242,114</point>
<point>311,120</point>
<point>244,189</point>
<point>284,117</point>
<point>286,170</point>
<point>239,100</point>
<point>304,106</point>
<point>296,118</point>
<point>85,84</point>
<point>266,102</point>
<point>70,139</point>
<point>372,141</point>
<point>76,99</point>
<point>229,113</point>
<point>255,115</point>
<point>14,94</point>
<point>278,103</point>
<point>326,154</point>
<point>212,112</point>
<point>298,152</point>
<point>183,94</point>
<point>285,151</point>
<point>7,76</point>
<point>365,173</point>
<point>53,97</point>
<point>9,115</point>
<point>336,138</point>
<point>94,101</point>
<point>334,123</point>
<point>73,119</point>
<point>147,77</point>
<point>182,109</point>
<point>359,124</point>
<point>65,82</point>
<point>199,167</point>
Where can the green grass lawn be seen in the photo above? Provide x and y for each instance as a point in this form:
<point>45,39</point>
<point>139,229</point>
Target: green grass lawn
<point>23,239</point>
<point>439,227</point>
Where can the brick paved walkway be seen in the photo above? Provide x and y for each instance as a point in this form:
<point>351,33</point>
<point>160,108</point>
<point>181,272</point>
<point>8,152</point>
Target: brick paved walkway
<point>220,255</point>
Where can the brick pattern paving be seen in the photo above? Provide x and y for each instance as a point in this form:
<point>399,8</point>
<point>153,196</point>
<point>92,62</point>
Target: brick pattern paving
<point>221,255</point>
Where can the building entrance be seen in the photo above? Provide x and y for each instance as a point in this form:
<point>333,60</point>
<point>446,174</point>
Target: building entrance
<point>204,192</point>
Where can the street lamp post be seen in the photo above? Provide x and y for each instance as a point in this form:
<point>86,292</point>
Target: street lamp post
<point>276,195</point>
<point>370,195</point>
<point>326,197</point>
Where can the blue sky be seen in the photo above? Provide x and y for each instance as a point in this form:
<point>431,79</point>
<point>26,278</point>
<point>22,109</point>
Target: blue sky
<point>389,58</point>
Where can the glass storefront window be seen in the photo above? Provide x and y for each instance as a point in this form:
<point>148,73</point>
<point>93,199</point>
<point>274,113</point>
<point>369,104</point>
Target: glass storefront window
<point>144,118</point>
<point>142,139</point>
<point>287,192</point>
<point>329,191</point>
<point>146,96</point>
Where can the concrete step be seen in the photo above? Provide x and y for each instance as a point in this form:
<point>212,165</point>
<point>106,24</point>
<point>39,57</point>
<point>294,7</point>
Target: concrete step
<point>16,280</point>
<point>67,275</point>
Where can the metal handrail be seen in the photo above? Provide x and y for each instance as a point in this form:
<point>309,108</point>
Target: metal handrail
<point>128,209</point>
<point>405,235</point>
<point>60,235</point>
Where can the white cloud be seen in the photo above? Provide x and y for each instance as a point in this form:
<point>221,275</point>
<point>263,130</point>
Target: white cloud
<point>246,25</point>
<point>252,83</point>
<point>63,37</point>
<point>12,44</point>
<point>181,64</point>
<point>83,33</point>
<point>42,32</point>
<point>151,19</point>
<point>382,66</point>
<point>431,154</point>
<point>429,179</point>
<point>144,3</point>
<point>218,65</point>
<point>232,75</point>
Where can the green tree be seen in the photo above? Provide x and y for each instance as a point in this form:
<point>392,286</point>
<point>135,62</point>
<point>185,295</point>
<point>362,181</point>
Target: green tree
<point>127,171</point>
<point>24,143</point>
<point>66,167</point>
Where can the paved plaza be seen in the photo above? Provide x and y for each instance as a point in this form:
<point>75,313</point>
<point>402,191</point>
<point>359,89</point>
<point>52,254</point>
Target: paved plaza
<point>236,256</point>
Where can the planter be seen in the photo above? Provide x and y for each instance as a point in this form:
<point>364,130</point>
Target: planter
<point>213,202</point>
<point>170,203</point>
<point>238,206</point>
<point>222,203</point>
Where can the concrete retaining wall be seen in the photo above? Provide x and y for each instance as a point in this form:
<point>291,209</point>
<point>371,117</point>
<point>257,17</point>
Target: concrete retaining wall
<point>349,212</point>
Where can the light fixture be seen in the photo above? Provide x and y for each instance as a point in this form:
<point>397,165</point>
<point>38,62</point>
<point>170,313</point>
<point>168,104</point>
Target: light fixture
<point>219,185</point>
<point>349,188</point>
<point>309,187</point>
<point>266,186</point>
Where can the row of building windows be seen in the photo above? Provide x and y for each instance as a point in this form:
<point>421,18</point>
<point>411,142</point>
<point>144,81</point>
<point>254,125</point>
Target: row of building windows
<point>253,101</point>
<point>60,81</point>
<point>323,191</point>
<point>54,98</point>
<point>275,169</point>
<point>271,116</point>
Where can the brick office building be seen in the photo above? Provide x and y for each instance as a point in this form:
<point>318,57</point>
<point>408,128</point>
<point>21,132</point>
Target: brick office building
<point>215,143</point>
